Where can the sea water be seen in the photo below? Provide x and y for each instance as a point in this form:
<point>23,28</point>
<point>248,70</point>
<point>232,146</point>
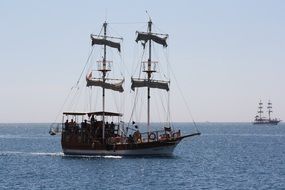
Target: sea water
<point>225,156</point>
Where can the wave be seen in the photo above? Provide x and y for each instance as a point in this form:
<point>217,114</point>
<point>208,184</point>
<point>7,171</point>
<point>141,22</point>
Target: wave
<point>59,154</point>
<point>93,156</point>
<point>23,137</point>
<point>8,153</point>
<point>47,153</point>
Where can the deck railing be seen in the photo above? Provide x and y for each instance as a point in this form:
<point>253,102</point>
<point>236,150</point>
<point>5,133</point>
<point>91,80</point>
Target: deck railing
<point>115,138</point>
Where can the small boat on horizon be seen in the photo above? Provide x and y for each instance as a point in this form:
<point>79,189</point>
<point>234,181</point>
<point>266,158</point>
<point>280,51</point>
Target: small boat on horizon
<point>55,129</point>
<point>262,120</point>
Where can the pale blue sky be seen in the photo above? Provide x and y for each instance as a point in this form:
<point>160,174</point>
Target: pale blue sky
<point>227,55</point>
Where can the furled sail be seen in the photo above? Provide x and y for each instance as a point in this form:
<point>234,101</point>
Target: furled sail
<point>112,86</point>
<point>109,43</point>
<point>137,83</point>
<point>142,36</point>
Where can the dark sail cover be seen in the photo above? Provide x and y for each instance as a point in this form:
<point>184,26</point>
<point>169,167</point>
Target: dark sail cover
<point>112,86</point>
<point>145,37</point>
<point>106,42</point>
<point>137,83</point>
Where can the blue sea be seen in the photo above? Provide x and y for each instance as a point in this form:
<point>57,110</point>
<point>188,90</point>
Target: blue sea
<point>225,156</point>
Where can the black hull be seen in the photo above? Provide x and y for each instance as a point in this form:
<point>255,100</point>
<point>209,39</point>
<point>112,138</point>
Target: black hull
<point>266,122</point>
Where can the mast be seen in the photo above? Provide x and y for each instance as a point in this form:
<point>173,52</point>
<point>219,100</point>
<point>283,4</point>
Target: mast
<point>104,67</point>
<point>269,107</point>
<point>260,109</point>
<point>104,80</point>
<point>148,37</point>
<point>148,77</point>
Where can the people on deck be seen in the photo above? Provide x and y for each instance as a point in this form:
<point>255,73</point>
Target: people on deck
<point>84,124</point>
<point>66,125</point>
<point>72,125</point>
<point>92,119</point>
<point>137,135</point>
<point>112,128</point>
<point>130,139</point>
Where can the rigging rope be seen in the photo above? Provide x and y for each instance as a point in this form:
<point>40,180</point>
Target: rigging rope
<point>186,104</point>
<point>161,101</point>
<point>158,112</point>
<point>122,72</point>
<point>136,90</point>
<point>85,66</point>
<point>61,108</point>
<point>168,109</point>
<point>90,99</point>
<point>127,23</point>
<point>184,99</point>
<point>73,87</point>
<point>115,31</point>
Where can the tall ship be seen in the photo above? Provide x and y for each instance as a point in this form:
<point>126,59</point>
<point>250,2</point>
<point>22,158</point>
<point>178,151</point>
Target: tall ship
<point>260,119</point>
<point>103,132</point>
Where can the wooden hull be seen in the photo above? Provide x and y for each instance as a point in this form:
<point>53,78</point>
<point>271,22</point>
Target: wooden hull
<point>153,151</point>
<point>82,143</point>
<point>149,148</point>
<point>156,148</point>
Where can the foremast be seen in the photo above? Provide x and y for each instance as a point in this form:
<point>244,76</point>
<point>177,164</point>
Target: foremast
<point>148,71</point>
<point>260,107</point>
<point>148,37</point>
<point>104,69</point>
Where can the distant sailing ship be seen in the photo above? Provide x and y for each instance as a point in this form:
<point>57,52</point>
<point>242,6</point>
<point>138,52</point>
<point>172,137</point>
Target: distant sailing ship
<point>260,119</point>
<point>89,133</point>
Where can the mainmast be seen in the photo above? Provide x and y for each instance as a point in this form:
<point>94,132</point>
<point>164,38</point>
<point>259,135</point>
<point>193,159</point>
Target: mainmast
<point>148,37</point>
<point>269,107</point>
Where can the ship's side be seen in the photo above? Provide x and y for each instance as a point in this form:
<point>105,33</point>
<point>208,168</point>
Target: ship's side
<point>89,142</point>
<point>274,122</point>
<point>86,139</point>
<point>266,122</point>
<point>165,148</point>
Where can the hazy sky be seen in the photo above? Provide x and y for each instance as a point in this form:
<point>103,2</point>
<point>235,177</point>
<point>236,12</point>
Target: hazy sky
<point>226,55</point>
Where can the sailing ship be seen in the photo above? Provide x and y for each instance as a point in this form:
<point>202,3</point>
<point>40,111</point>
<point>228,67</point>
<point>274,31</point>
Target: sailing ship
<point>92,133</point>
<point>260,119</point>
